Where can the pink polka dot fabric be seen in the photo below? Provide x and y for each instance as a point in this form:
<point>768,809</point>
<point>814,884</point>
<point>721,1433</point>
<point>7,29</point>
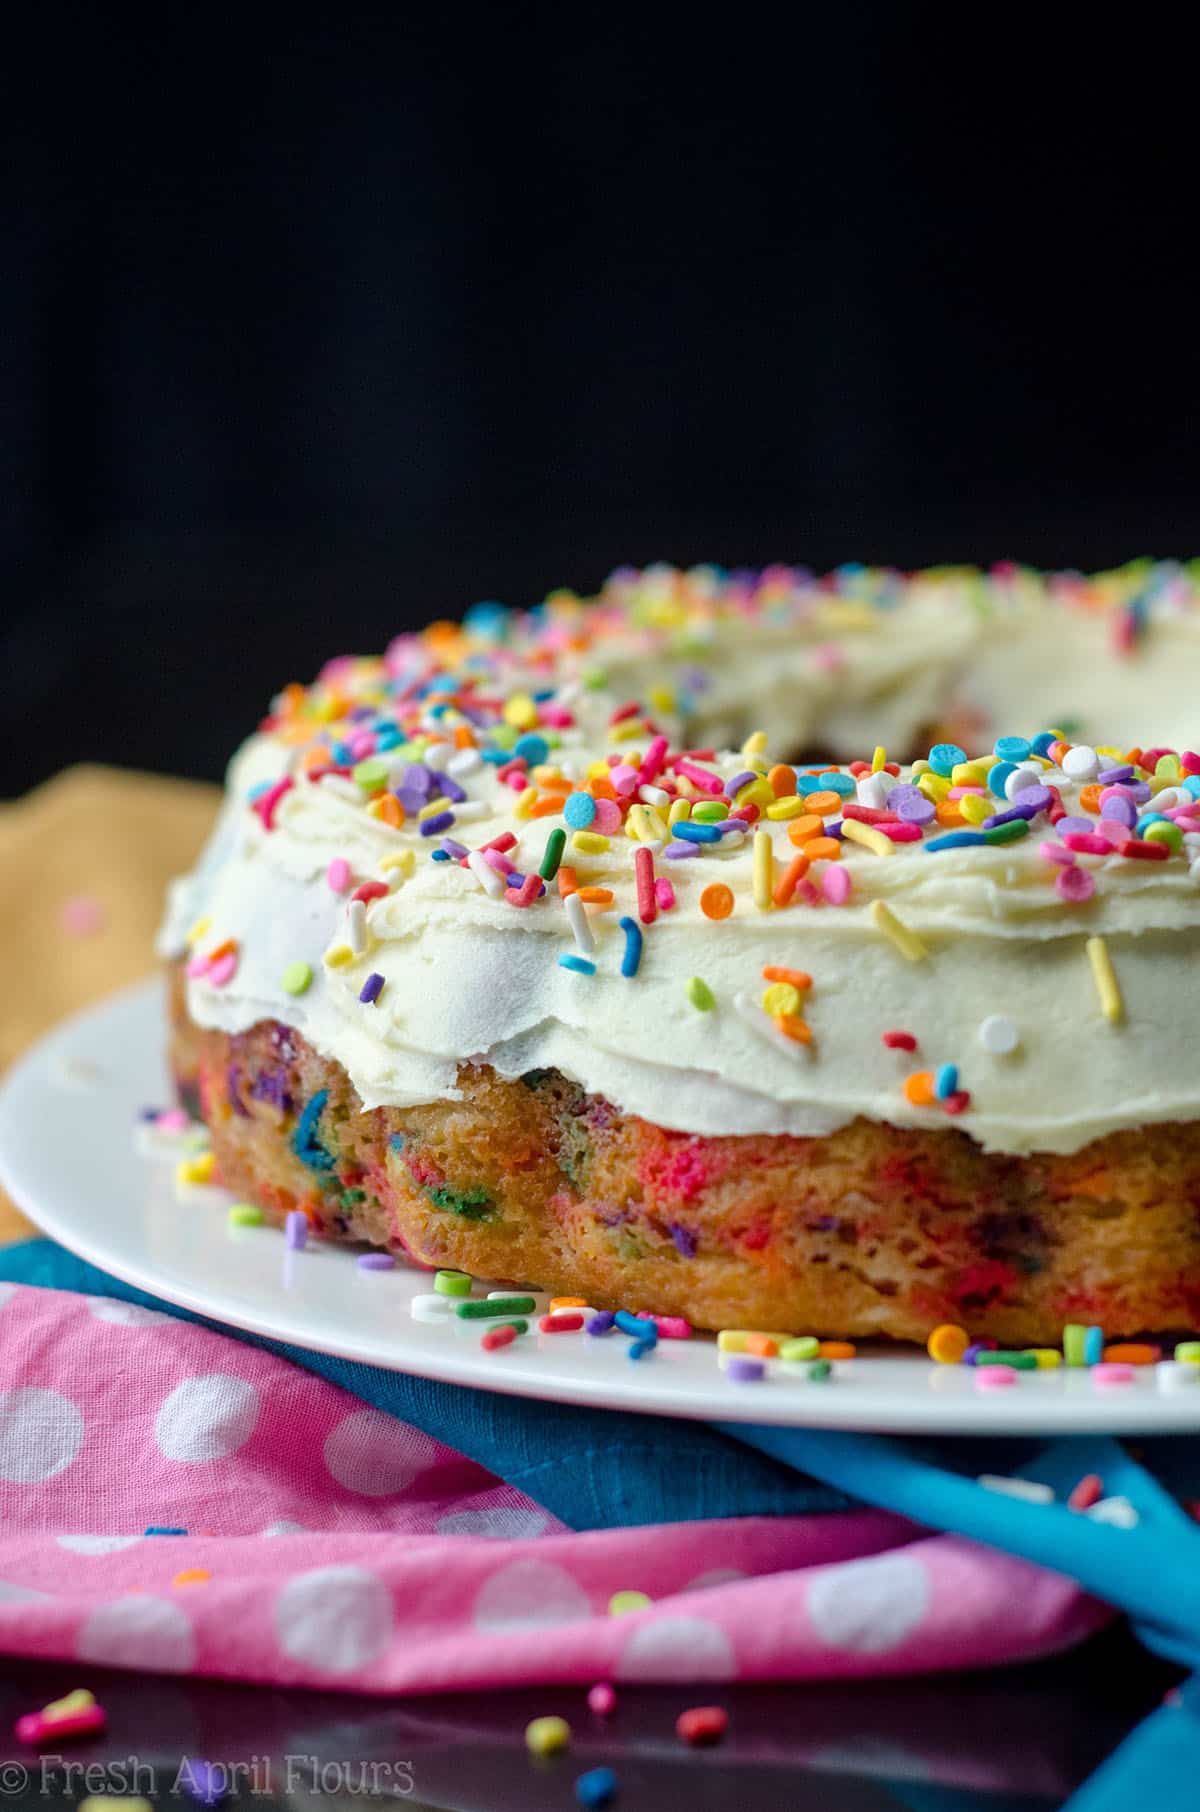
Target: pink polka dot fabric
<point>329,1544</point>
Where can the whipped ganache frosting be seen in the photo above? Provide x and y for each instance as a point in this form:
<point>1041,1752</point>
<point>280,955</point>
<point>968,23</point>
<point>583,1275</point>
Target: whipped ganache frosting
<point>513,842</point>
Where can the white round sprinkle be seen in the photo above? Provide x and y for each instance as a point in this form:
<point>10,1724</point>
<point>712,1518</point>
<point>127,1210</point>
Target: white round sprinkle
<point>464,761</point>
<point>1030,1491</point>
<point>1020,780</point>
<point>437,756</point>
<point>873,790</point>
<point>999,1035</point>
<point>431,1308</point>
<point>1176,1374</point>
<point>1081,763</point>
<point>1117,1511</point>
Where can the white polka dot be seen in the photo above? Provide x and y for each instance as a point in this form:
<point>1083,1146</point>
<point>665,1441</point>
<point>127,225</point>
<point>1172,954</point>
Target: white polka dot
<point>97,1544</point>
<point>497,1525</point>
<point>714,1577</point>
<point>336,1619</point>
<point>529,1595</point>
<point>868,1606</point>
<point>284,1527</point>
<point>375,1455</point>
<point>125,1314</point>
<point>21,1594</point>
<point>206,1418</point>
<point>41,1431</point>
<point>138,1631</point>
<point>677,1648</point>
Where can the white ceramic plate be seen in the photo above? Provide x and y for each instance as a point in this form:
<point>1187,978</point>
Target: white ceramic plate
<point>68,1155</point>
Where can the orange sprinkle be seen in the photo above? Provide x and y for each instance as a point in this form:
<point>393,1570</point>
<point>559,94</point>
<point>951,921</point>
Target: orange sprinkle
<point>464,737</point>
<point>1132,1352</point>
<point>799,978</point>
<point>601,787</point>
<point>546,807</point>
<point>785,886</point>
<point>918,1088</point>
<point>225,949</point>
<point>837,1349</point>
<point>192,1576</point>
<point>596,896</point>
<point>387,808</point>
<point>716,902</point>
<point>947,812</point>
<point>823,802</point>
<point>798,1030</point>
<point>801,829</point>
<point>762,1346</point>
<point>567,881</point>
<point>1089,797</point>
<point>823,849</point>
<point>568,1302</point>
<point>782,780</point>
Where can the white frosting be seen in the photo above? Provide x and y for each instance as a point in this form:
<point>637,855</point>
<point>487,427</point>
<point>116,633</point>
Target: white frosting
<point>468,977</point>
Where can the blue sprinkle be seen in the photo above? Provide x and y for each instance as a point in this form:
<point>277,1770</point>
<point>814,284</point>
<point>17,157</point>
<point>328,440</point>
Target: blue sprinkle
<point>596,1789</point>
<point>635,1326</point>
<point>688,832</point>
<point>433,827</point>
<point>157,1529</point>
<point>263,786</point>
<point>579,964</point>
<point>945,1082</point>
<point>397,1141</point>
<point>1191,786</point>
<point>1014,748</point>
<point>835,782</point>
<point>532,748</point>
<point>633,946</point>
<point>304,1139</point>
<point>440,855</point>
<point>580,810</point>
<point>998,775</point>
<point>945,756</point>
<point>1093,1346</point>
<point>956,839</point>
<point>1042,742</point>
<point>639,1348</point>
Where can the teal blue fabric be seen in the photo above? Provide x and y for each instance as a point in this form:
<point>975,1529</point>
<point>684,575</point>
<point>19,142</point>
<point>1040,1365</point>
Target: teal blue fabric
<point>602,1469</point>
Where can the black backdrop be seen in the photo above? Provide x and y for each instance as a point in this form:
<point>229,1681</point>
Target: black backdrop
<point>310,330</point>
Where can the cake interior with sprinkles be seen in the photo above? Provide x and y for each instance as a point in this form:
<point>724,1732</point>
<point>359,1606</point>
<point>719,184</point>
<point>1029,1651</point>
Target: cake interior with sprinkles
<point>731,949</point>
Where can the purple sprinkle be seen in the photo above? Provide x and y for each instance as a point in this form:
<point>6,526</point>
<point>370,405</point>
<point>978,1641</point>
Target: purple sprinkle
<point>1077,827</point>
<point>684,1238</point>
<point>376,1261</point>
<point>1028,804</point>
<point>676,852</point>
<point>726,825</point>
<point>602,1322</point>
<point>744,1371</point>
<point>1119,808</point>
<point>433,827</point>
<point>733,787</point>
<point>417,776</point>
<point>834,830</point>
<point>449,788</point>
<point>271,1086</point>
<point>410,799</point>
<point>910,805</point>
<point>371,989</point>
<point>1110,776</point>
<point>971,1355</point>
<point>451,848</point>
<point>295,1229</point>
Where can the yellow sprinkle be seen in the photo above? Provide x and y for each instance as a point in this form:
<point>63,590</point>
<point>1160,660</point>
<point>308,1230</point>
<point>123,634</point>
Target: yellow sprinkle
<point>755,743</point>
<point>1107,985</point>
<point>191,1576</point>
<point>200,929</point>
<point>1047,1357</point>
<point>520,711</point>
<point>622,1604</point>
<point>757,792</point>
<point>879,759</point>
<point>920,767</point>
<point>79,1700</point>
<point>658,827</point>
<point>403,859</point>
<point>526,801</point>
<point>660,698</point>
<point>907,942</point>
<point>974,807</point>
<point>764,870</point>
<point>680,809</point>
<point>627,731</point>
<point>599,770</point>
<point>338,955</point>
<point>934,786</point>
<point>433,808</point>
<point>733,1340</point>
<point>790,806</point>
<point>971,773</point>
<point>639,826</point>
<point>868,836</point>
<point>196,1170</point>
<point>589,843</point>
<point>547,1736</point>
<point>782,997</point>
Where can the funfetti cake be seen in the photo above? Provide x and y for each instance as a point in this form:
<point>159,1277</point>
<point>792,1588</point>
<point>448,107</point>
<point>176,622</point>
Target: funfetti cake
<point>495,958</point>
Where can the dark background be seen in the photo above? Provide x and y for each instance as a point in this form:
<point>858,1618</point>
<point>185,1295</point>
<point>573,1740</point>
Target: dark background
<point>312,330</point>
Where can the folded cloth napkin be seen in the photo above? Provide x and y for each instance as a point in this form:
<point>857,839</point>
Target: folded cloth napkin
<point>804,1583</point>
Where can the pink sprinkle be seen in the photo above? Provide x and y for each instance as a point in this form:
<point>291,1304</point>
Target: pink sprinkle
<point>224,969</point>
<point>1113,831</point>
<point>83,916</point>
<point>836,882</point>
<point>624,778</point>
<point>995,1377</point>
<point>338,874</point>
<point>652,765</point>
<point>828,656</point>
<point>602,1700</point>
<point>173,1119</point>
<point>1087,1492</point>
<point>900,832</point>
<point>267,802</point>
<point>706,782</point>
<point>495,858</point>
<point>808,892</point>
<point>643,866</point>
<point>362,744</point>
<point>531,889</point>
<point>608,817</point>
<point>197,965</point>
<point>1112,1372</point>
<point>1074,884</point>
<point>1087,843</point>
<point>1054,852</point>
<point>673,1327</point>
<point>664,893</point>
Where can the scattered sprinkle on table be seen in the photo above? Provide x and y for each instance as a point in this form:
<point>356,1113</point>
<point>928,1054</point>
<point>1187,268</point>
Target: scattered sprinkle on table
<point>245,1214</point>
<point>376,1261</point>
<point>547,1736</point>
<point>702,1725</point>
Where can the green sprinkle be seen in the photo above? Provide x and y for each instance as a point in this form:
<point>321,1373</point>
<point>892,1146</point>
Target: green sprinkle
<point>371,774</point>
<point>296,978</point>
<point>819,1371</point>
<point>1188,1352</point>
<point>496,1307</point>
<point>805,1347</point>
<point>555,844</point>
<point>700,994</point>
<point>519,1326</point>
<point>623,1604</point>
<point>472,1204</point>
<point>1012,832</point>
<point>245,1214</point>
<point>1020,1362</point>
<point>710,811</point>
<point>452,1283</point>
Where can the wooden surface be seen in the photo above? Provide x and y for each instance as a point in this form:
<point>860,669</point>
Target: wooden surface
<point>93,848</point>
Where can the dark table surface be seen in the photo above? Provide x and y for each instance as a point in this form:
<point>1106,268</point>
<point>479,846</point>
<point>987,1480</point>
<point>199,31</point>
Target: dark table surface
<point>1017,1740</point>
